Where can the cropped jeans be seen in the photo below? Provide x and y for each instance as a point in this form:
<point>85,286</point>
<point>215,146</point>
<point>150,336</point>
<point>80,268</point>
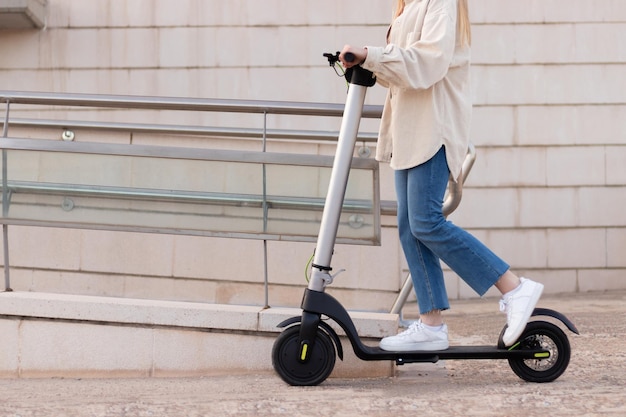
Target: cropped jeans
<point>427,237</point>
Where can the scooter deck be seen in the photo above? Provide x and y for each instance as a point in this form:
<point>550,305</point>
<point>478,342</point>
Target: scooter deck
<point>453,352</point>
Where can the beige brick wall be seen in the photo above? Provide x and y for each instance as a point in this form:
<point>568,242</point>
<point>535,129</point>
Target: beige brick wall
<point>549,124</point>
<point>547,191</point>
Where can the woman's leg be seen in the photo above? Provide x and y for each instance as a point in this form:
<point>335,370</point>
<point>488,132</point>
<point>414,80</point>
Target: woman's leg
<point>507,282</point>
<point>478,266</point>
<point>429,333</point>
<point>424,265</point>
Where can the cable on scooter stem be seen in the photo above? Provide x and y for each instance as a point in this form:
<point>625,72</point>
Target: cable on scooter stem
<point>333,61</point>
<point>365,79</point>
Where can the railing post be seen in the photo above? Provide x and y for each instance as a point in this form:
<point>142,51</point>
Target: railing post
<point>265,211</point>
<point>5,203</point>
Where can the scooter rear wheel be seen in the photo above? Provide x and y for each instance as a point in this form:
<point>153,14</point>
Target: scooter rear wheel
<point>295,372</point>
<point>542,335</point>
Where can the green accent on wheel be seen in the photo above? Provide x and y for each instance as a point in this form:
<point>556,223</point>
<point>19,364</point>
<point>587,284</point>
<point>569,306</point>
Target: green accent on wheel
<point>305,348</point>
<point>303,363</point>
<point>552,353</point>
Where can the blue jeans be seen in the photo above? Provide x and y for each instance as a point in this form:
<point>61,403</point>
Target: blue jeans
<point>427,237</point>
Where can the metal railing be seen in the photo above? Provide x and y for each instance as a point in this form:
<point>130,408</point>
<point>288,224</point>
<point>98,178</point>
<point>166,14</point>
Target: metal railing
<point>71,192</point>
<point>261,201</point>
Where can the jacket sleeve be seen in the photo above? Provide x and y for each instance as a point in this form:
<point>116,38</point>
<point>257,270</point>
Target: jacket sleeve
<point>427,56</point>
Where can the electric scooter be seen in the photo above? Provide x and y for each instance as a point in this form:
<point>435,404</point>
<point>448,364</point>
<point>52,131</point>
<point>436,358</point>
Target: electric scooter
<point>304,352</point>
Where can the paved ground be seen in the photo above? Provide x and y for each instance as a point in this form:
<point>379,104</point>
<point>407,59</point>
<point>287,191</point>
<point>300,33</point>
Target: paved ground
<point>593,385</point>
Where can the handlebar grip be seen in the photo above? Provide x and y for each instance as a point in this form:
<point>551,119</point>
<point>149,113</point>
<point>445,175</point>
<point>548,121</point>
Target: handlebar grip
<point>349,57</point>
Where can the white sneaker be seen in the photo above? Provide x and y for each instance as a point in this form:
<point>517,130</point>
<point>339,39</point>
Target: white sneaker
<point>417,337</point>
<point>518,306</point>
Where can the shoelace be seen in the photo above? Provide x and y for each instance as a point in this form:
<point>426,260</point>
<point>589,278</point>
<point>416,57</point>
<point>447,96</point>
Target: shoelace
<point>413,327</point>
<point>503,305</point>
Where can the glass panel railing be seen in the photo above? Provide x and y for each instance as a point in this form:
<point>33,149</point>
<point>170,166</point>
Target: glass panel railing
<point>255,195</point>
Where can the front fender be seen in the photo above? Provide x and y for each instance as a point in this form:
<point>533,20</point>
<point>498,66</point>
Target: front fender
<point>329,330</point>
<point>289,322</point>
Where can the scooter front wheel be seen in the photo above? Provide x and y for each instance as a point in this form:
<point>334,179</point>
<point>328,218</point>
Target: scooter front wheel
<point>546,336</point>
<point>286,362</point>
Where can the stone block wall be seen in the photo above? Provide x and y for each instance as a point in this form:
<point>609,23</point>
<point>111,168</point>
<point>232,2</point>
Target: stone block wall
<point>546,193</point>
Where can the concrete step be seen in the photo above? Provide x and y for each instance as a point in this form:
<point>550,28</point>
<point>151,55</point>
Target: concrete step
<point>63,335</point>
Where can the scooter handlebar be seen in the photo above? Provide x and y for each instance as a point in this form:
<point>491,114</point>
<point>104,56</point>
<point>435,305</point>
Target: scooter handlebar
<point>334,58</point>
<point>365,77</point>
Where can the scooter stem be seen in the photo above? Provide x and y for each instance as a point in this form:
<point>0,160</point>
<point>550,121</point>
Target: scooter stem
<point>331,214</point>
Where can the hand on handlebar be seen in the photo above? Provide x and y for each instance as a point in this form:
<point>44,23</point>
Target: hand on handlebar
<point>358,56</point>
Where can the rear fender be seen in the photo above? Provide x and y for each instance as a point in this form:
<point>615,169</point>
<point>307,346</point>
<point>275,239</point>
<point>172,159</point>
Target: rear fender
<point>556,315</point>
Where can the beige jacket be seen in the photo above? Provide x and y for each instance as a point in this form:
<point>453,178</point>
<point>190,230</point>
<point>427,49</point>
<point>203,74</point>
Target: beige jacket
<point>428,103</point>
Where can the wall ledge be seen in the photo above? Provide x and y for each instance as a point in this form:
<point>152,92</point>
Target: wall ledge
<point>23,14</point>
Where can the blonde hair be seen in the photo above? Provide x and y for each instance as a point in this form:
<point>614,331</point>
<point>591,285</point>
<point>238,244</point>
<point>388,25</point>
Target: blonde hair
<point>399,8</point>
<point>463,25</point>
